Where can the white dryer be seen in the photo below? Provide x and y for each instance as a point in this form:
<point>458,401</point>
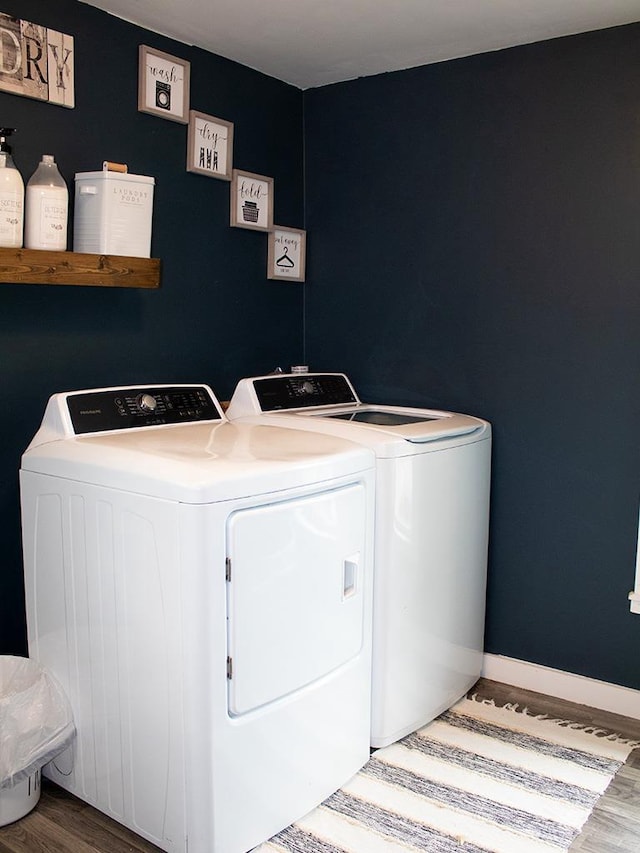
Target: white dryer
<point>431,535</point>
<point>202,590</point>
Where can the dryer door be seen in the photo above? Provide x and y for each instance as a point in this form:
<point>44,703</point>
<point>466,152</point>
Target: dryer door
<point>295,593</point>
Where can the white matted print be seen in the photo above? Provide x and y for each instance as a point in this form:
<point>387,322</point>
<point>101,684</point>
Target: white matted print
<point>251,201</point>
<point>286,256</point>
<point>209,146</point>
<point>163,84</point>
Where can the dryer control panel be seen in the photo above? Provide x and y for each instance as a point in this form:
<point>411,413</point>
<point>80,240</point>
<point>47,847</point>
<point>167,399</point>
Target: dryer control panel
<point>124,408</point>
<point>276,393</point>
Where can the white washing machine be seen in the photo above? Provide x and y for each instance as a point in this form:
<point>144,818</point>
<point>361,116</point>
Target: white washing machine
<point>203,592</point>
<point>431,532</point>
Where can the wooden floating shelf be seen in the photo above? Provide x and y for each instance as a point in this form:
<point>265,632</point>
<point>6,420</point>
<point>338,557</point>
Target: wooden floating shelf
<point>33,266</point>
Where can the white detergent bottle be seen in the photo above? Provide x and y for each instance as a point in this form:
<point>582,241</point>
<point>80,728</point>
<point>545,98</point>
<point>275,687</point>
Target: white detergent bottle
<point>11,195</point>
<point>47,208</point>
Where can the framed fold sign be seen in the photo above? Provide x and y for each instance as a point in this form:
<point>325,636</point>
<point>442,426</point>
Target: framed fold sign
<point>251,201</point>
<point>163,84</point>
<point>286,254</point>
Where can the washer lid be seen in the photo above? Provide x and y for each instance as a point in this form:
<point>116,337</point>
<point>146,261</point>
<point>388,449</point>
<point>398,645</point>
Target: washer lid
<point>379,417</point>
<point>414,425</point>
<point>327,403</point>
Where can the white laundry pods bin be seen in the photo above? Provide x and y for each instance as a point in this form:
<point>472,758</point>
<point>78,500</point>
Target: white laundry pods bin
<point>113,213</point>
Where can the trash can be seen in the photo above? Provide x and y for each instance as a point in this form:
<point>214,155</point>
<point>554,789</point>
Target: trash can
<point>36,724</point>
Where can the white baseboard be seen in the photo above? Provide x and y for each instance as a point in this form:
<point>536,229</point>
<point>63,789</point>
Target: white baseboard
<point>563,685</point>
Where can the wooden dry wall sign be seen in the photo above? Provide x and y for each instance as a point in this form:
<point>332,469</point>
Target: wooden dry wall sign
<point>36,62</point>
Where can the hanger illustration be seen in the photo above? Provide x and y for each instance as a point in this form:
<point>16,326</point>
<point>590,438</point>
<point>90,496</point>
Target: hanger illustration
<point>284,260</point>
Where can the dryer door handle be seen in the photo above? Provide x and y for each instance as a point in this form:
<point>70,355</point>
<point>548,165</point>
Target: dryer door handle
<point>350,576</point>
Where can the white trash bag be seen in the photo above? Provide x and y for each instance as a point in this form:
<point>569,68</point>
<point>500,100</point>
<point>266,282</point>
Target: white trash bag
<point>36,721</point>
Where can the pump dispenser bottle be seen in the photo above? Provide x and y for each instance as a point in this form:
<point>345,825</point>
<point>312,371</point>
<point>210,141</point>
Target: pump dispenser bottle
<point>11,195</point>
<point>47,208</point>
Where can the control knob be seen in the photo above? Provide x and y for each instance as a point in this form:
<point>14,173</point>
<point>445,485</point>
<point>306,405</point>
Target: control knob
<point>147,403</point>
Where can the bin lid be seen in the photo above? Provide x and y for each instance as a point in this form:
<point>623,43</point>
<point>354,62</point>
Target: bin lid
<point>120,177</point>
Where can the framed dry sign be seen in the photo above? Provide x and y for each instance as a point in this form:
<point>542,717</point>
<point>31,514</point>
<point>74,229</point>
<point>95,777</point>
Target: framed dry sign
<point>209,146</point>
<point>163,84</point>
<point>286,253</point>
<point>251,201</point>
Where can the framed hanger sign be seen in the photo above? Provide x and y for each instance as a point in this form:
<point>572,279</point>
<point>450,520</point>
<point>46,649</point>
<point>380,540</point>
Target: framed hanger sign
<point>286,253</point>
<point>163,84</point>
<point>209,146</point>
<point>251,201</point>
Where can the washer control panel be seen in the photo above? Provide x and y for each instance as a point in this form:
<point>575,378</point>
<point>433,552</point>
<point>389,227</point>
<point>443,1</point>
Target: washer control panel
<point>275,393</point>
<point>124,408</point>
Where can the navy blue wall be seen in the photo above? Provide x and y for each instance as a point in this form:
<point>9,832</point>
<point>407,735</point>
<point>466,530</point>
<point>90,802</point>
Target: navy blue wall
<point>476,246</point>
<point>215,316</point>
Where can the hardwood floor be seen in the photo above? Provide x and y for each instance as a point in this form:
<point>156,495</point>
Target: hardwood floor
<point>63,824</point>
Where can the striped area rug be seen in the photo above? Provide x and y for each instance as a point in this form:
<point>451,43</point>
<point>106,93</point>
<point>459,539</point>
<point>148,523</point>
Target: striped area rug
<point>479,779</point>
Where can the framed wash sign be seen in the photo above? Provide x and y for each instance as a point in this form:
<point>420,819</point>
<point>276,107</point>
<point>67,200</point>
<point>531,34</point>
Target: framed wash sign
<point>163,84</point>
<point>251,201</point>
<point>209,146</point>
<point>286,255</point>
